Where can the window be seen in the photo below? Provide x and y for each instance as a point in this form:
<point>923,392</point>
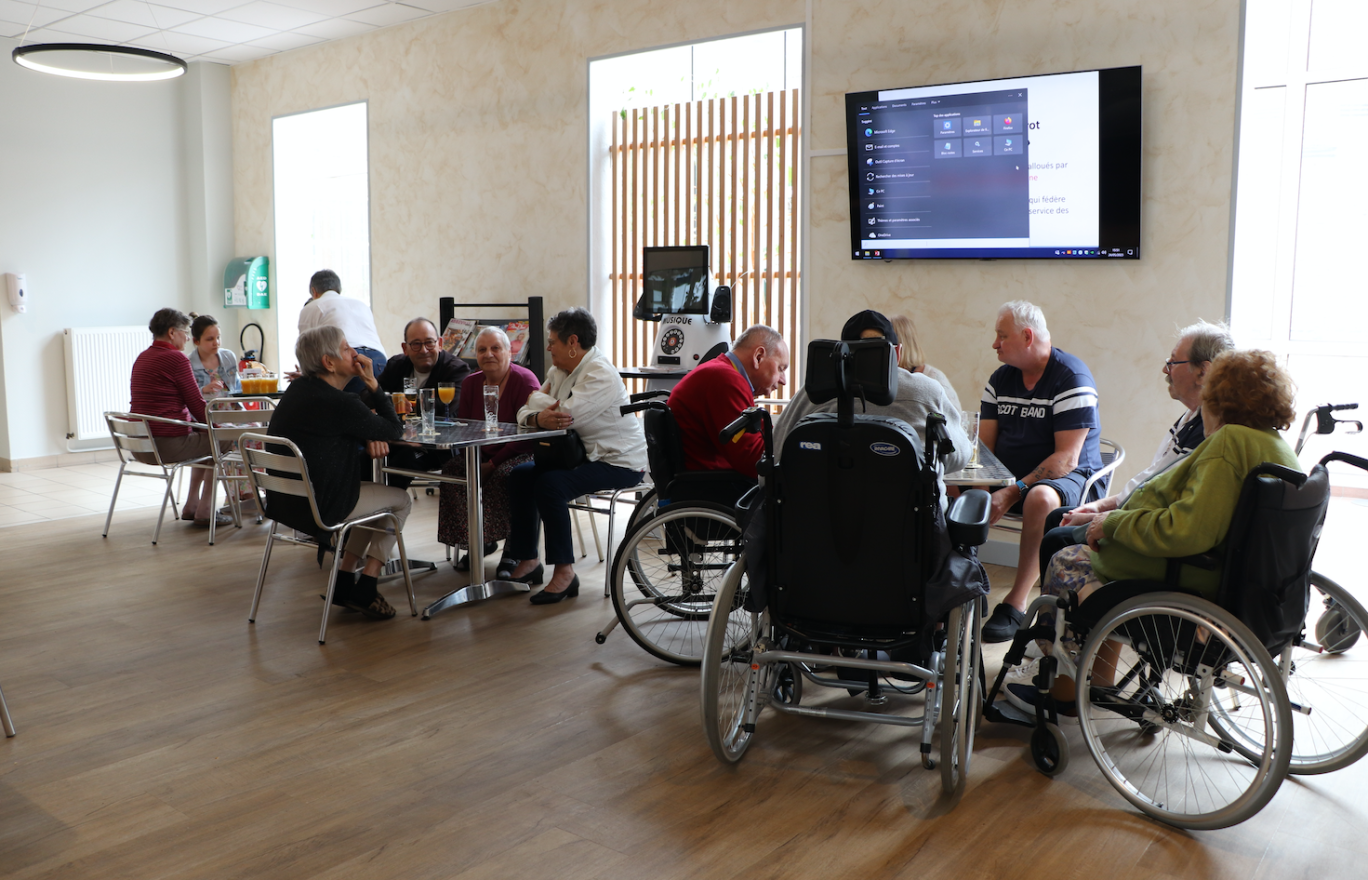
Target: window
<point>322,210</point>
<point>698,145</point>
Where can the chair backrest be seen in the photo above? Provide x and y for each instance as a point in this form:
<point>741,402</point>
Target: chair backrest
<point>1113,454</point>
<point>279,468</point>
<point>228,420</point>
<point>1265,581</point>
<point>664,447</point>
<point>856,520</point>
<point>130,434</point>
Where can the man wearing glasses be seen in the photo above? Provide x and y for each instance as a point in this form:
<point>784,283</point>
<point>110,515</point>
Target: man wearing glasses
<point>424,360</point>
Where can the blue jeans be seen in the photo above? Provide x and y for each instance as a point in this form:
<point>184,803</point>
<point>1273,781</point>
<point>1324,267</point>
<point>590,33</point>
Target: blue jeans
<point>378,361</point>
<point>540,496</point>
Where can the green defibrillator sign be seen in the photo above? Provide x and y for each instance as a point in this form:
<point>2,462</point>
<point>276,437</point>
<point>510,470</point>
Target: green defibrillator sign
<point>246,283</point>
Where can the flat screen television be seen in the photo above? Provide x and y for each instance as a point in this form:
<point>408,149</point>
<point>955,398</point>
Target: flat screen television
<point>676,280</point>
<point>1037,167</point>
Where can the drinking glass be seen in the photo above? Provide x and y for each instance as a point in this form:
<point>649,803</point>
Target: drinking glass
<point>411,394</point>
<point>970,422</point>
<point>446,393</point>
<point>428,398</point>
<point>491,407</point>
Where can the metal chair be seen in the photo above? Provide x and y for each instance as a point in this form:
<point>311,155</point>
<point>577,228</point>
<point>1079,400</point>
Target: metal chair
<point>287,474</point>
<point>5,719</point>
<point>1112,455</point>
<point>228,420</point>
<point>132,433</point>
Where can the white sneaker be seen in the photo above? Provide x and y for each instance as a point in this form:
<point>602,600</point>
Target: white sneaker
<point>1033,651</point>
<point>1023,674</point>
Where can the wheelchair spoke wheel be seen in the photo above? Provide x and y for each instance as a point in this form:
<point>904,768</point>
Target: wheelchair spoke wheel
<point>960,699</point>
<point>730,688</point>
<point>666,574</point>
<point>1151,677</point>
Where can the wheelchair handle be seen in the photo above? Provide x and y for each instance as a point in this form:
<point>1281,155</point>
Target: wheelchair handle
<point>1361,463</point>
<point>748,422</point>
<point>647,395</point>
<point>1287,474</point>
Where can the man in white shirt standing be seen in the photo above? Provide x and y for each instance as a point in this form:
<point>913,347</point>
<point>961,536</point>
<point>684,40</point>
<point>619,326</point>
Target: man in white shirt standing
<point>351,316</point>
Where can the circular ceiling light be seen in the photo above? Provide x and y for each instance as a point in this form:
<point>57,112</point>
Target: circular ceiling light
<point>96,61</point>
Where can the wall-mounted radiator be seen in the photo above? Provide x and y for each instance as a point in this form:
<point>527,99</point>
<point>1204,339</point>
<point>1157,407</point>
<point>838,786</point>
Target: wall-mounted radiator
<point>99,363</point>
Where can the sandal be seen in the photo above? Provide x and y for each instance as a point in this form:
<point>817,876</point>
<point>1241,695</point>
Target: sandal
<point>376,609</point>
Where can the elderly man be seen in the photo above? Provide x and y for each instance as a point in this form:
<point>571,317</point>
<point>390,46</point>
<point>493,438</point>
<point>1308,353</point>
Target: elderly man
<point>329,308</point>
<point>714,393</point>
<point>918,395</point>
<point>1039,416</point>
<point>423,359</point>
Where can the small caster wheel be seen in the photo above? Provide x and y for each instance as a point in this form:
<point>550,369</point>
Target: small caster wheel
<point>600,638</point>
<point>431,491</point>
<point>928,762</point>
<point>1049,750</point>
<point>1336,631</point>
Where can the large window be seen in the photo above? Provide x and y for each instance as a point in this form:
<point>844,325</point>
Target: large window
<point>1300,226</point>
<point>698,145</point>
<point>322,210</point>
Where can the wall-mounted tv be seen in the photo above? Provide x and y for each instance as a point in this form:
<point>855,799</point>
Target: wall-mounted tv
<point>1038,167</point>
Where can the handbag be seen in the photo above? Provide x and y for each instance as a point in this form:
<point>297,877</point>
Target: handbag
<point>562,452</point>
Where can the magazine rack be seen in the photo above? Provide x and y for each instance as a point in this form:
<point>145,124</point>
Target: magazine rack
<point>448,308</point>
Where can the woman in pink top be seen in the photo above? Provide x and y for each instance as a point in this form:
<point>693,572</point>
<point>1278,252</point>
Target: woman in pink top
<point>163,385</point>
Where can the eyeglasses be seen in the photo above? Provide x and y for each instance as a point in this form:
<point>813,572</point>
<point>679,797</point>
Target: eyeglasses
<point>1169,365</point>
<point>429,344</point>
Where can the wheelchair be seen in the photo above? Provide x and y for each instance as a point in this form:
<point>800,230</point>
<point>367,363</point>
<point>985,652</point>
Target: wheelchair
<point>851,579</point>
<point>1179,699</point>
<point>681,539</point>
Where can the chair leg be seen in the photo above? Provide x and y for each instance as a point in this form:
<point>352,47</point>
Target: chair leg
<point>162,515</point>
<point>5,718</point>
<point>261,575</point>
<point>408,576</point>
<point>593,527</point>
<point>118,481</point>
<point>332,582</point>
<point>579,532</point>
<point>213,505</point>
<point>608,544</point>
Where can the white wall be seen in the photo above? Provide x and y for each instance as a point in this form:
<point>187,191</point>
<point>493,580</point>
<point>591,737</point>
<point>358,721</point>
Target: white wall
<point>95,209</point>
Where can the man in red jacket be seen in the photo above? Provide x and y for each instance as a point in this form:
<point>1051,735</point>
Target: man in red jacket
<point>714,393</point>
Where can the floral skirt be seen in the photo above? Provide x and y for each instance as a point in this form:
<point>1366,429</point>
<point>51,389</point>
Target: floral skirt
<point>452,526</point>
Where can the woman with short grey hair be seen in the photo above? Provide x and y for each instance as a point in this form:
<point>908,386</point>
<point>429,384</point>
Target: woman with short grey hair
<point>331,427</point>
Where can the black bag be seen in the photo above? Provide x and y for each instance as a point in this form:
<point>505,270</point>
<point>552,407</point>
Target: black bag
<point>560,453</point>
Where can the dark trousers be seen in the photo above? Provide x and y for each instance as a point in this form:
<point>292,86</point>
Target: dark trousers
<point>378,361</point>
<point>539,496</point>
<point>413,459</point>
<point>1058,537</point>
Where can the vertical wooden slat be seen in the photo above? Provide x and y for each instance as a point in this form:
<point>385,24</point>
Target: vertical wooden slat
<point>743,142</point>
<point>753,239</point>
<point>634,249</point>
<point>731,204</point>
<point>711,205</point>
<point>793,220</point>
<point>783,187</point>
<point>619,323</point>
<point>770,197</point>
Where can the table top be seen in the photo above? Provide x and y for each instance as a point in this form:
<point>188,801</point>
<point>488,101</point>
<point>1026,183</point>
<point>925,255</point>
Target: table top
<point>993,474</point>
<point>465,432</point>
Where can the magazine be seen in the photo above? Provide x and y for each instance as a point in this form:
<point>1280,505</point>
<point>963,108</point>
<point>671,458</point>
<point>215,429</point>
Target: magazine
<point>458,332</point>
<point>519,341</point>
<point>468,350</point>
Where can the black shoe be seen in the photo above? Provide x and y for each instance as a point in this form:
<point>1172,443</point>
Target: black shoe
<point>1004,623</point>
<point>463,564</point>
<point>1026,698</point>
<point>546,598</point>
<point>532,578</point>
<point>504,570</point>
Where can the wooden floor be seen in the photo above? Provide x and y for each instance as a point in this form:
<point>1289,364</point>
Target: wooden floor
<point>162,736</point>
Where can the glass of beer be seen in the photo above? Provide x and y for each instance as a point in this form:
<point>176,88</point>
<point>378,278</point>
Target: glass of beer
<point>446,393</point>
<point>411,394</point>
<point>970,422</point>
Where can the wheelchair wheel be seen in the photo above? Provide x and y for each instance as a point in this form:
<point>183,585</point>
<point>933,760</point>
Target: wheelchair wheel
<point>730,691</point>
<point>1049,749</point>
<point>666,573</point>
<point>1144,701</point>
<point>960,698</point>
<point>1326,674</point>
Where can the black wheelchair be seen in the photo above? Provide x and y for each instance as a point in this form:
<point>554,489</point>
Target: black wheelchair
<point>1180,700</point>
<point>681,539</point>
<point>851,579</point>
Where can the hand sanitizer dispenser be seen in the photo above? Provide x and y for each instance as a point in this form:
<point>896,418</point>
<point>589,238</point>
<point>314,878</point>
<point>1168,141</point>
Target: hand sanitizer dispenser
<point>17,285</point>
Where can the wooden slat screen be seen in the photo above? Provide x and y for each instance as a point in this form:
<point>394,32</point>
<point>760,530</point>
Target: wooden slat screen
<point>721,172</point>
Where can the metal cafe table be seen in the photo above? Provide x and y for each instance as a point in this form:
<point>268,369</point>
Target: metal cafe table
<point>470,436</point>
<point>992,475</point>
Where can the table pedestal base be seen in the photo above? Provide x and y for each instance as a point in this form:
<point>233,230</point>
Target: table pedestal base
<point>475,593</point>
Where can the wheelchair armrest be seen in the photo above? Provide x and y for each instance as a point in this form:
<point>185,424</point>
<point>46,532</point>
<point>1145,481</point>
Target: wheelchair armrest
<point>968,519</point>
<point>648,395</point>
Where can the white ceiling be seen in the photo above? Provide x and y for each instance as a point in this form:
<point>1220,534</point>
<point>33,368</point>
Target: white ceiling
<point>222,31</point>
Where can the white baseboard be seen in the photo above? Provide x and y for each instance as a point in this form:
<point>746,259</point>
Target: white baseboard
<point>65,459</point>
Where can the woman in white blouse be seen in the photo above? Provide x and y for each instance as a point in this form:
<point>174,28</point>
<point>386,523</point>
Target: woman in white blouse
<point>583,392</point>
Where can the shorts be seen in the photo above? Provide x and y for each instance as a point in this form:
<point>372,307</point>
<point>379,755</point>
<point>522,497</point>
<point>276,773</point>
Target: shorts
<point>179,448</point>
<point>1069,487</point>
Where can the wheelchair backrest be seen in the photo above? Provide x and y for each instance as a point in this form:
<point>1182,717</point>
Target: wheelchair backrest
<point>665,456</point>
<point>664,447</point>
<point>1266,578</point>
<point>856,521</point>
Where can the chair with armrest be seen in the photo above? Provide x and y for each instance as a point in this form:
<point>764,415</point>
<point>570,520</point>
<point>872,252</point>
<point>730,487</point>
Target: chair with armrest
<point>132,433</point>
<point>280,468</point>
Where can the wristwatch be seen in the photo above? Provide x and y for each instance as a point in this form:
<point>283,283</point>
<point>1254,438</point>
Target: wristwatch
<point>1022,487</point>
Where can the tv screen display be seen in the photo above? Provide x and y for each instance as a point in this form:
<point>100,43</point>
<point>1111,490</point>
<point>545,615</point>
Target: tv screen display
<point>1030,167</point>
<point>676,280</point>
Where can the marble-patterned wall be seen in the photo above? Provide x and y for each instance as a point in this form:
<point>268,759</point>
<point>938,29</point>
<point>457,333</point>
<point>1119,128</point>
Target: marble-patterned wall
<point>479,173</point>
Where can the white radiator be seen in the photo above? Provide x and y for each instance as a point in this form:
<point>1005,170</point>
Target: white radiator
<point>99,364</point>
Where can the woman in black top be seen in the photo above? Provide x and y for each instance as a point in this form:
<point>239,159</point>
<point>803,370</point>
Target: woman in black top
<point>335,431</point>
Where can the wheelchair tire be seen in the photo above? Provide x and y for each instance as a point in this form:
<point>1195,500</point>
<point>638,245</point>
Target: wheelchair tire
<point>666,573</point>
<point>730,689</point>
<point>1327,684</point>
<point>1049,749</point>
<point>961,701</point>
<point>1176,656</point>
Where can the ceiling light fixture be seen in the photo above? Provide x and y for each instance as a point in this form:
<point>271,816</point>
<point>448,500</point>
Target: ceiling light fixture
<point>98,61</point>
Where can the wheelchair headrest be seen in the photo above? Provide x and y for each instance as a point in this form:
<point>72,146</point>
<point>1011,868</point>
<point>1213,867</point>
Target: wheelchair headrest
<point>869,368</point>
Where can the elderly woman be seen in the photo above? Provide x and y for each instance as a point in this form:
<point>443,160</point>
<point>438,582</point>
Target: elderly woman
<point>163,385</point>
<point>1246,400</point>
<point>214,366</point>
<point>911,359</point>
<point>515,384</point>
<point>582,391</point>
<point>333,429</point>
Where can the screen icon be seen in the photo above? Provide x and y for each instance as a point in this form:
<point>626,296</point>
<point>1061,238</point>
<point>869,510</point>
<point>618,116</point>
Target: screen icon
<point>869,161</point>
<point>869,132</point>
<point>871,206</point>
<point>868,147</point>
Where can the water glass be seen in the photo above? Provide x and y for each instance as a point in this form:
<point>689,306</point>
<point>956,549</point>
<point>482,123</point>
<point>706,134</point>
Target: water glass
<point>491,407</point>
<point>427,398</point>
<point>970,422</point>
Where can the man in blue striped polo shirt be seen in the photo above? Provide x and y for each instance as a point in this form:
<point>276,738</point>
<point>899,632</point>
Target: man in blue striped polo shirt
<point>1039,417</point>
